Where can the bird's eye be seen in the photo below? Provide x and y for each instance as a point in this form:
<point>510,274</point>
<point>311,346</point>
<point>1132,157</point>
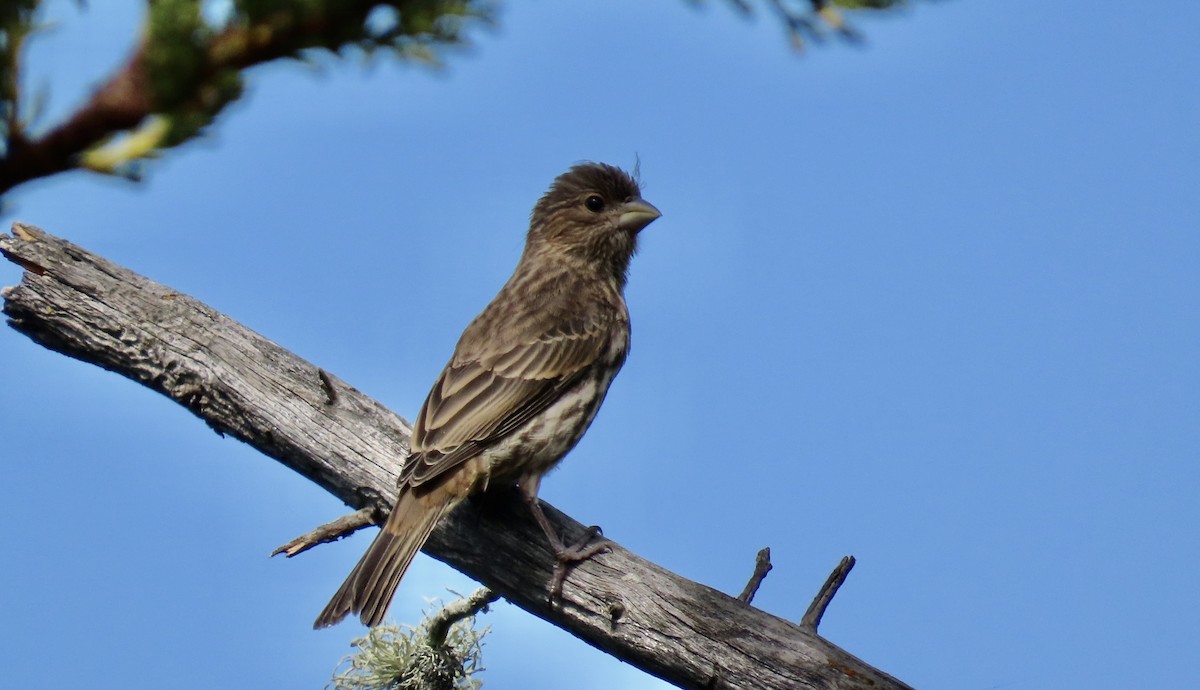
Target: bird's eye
<point>594,203</point>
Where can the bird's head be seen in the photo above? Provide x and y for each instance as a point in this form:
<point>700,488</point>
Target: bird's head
<point>593,212</point>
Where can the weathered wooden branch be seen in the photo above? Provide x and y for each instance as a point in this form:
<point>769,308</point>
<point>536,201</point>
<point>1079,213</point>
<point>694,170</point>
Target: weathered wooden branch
<point>246,386</point>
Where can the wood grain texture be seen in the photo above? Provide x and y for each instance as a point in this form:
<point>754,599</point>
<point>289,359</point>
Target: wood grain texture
<point>248,387</point>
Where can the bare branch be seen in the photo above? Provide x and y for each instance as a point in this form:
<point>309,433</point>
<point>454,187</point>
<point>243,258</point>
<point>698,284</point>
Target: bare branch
<point>441,622</point>
<point>246,386</point>
<point>762,566</point>
<point>327,384</point>
<point>329,532</point>
<point>812,617</point>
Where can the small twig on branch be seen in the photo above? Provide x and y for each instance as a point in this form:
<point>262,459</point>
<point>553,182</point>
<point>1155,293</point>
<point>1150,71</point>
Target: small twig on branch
<point>329,532</point>
<point>762,566</point>
<point>441,622</point>
<point>327,385</point>
<point>812,617</point>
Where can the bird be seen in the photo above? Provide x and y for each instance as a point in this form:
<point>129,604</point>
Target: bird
<point>524,383</point>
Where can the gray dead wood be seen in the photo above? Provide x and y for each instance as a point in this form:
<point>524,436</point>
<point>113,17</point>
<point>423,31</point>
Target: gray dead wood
<point>243,385</point>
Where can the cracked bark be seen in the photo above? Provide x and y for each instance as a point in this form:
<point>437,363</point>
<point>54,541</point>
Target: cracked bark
<point>244,385</point>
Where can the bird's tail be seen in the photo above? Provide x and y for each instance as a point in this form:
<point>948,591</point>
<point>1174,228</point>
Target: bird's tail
<point>369,588</point>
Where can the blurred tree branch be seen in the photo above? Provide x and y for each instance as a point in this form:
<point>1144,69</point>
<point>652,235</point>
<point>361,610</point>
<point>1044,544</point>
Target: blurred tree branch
<point>243,385</point>
<point>186,67</point>
<point>813,19</point>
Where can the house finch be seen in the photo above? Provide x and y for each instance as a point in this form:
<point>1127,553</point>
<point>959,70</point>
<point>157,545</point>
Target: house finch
<point>526,379</point>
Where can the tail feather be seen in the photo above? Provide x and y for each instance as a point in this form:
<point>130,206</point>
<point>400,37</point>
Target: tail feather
<point>369,588</point>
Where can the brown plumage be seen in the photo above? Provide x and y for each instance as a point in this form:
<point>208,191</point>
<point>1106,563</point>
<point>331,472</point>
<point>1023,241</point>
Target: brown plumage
<point>525,381</point>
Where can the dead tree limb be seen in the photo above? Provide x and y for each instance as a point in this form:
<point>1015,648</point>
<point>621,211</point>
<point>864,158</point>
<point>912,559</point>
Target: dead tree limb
<point>246,386</point>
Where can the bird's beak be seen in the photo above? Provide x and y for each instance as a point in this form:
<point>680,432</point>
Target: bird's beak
<point>637,214</point>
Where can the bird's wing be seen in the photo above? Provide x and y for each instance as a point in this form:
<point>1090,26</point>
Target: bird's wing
<point>478,401</point>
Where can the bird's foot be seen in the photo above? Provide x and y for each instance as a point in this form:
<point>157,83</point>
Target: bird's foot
<point>568,557</point>
<point>565,557</point>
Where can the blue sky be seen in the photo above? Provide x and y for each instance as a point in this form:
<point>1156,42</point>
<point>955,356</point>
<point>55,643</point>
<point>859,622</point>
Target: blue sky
<point>932,302</point>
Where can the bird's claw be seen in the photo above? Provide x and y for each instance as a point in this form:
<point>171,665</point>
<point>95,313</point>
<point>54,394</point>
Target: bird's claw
<point>568,557</point>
